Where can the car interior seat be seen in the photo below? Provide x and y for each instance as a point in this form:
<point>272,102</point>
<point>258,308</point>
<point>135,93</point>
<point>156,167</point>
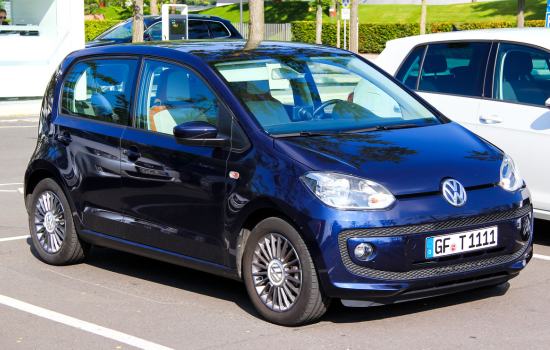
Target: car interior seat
<point>176,103</point>
<point>518,84</point>
<point>267,109</point>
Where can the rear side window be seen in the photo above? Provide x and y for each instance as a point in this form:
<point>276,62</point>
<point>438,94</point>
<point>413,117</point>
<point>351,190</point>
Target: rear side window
<point>218,29</point>
<point>100,90</point>
<point>408,74</point>
<point>454,68</point>
<point>198,30</point>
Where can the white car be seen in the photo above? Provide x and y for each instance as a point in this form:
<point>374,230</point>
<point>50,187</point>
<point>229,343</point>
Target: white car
<point>495,82</point>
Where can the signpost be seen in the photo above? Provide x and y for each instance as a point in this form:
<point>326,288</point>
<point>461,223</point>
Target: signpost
<point>548,14</point>
<point>346,15</point>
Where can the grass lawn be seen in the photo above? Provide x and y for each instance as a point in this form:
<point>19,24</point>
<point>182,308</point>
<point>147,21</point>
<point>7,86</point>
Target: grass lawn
<point>505,10</point>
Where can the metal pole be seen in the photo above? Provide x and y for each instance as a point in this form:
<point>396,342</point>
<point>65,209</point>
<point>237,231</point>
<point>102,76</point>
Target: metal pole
<point>241,7</point>
<point>345,23</point>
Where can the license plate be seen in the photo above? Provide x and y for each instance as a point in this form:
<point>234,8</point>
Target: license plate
<point>461,242</point>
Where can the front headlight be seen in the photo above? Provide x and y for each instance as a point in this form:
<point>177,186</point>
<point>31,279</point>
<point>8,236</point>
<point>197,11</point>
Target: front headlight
<point>347,192</point>
<point>510,177</point>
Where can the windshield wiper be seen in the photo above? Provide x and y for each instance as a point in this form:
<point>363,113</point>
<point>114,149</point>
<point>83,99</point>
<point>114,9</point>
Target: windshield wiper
<point>305,134</point>
<point>384,127</point>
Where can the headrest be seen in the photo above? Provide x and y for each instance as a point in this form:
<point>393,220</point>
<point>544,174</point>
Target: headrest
<point>517,63</point>
<point>435,64</point>
<point>173,85</point>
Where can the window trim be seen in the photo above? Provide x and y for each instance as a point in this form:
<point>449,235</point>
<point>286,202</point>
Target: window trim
<point>91,58</point>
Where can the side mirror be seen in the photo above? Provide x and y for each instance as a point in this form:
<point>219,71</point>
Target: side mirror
<point>201,134</point>
<point>547,103</point>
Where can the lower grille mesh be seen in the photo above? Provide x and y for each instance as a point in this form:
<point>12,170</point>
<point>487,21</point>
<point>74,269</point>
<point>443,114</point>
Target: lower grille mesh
<point>438,226</point>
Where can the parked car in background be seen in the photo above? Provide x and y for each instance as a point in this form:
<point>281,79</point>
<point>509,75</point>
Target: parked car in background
<point>494,82</point>
<point>200,27</point>
<point>254,165</point>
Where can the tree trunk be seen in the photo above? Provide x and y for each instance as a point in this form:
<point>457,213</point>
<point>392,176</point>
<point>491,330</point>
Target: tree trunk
<point>154,8</point>
<point>521,13</point>
<point>423,18</point>
<point>137,35</point>
<point>319,23</point>
<point>354,27</point>
<point>256,24</point>
<point>173,8</point>
<point>338,24</point>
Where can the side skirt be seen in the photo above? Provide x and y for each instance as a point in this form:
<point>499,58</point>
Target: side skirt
<point>158,254</point>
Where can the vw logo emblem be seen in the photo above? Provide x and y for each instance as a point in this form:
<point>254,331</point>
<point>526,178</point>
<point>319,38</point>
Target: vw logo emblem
<point>49,221</point>
<point>454,192</point>
<point>275,272</point>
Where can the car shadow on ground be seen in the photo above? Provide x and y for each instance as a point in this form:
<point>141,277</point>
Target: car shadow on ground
<point>235,292</point>
<point>541,232</point>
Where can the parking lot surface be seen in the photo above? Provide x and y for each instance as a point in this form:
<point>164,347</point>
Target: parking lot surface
<point>116,300</point>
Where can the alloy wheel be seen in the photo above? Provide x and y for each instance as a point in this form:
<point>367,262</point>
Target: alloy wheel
<point>277,272</point>
<point>49,222</point>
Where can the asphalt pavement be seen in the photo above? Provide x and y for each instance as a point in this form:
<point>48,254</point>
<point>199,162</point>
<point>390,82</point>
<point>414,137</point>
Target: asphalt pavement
<point>117,300</point>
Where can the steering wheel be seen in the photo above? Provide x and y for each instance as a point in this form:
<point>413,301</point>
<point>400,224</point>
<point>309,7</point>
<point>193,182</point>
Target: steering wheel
<point>324,104</point>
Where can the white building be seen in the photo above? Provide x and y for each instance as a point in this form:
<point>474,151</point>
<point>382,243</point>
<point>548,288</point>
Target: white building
<point>42,33</point>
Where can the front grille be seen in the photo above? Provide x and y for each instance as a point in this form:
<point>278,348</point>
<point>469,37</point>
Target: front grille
<point>434,226</point>
<point>422,228</point>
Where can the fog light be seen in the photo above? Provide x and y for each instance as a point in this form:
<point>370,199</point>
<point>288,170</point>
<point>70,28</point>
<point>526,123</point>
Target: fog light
<point>363,251</point>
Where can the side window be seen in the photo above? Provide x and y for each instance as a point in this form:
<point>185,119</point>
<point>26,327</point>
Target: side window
<point>156,31</point>
<point>171,95</point>
<point>522,75</point>
<point>100,90</point>
<point>218,29</point>
<point>454,68</point>
<point>198,30</point>
<point>408,74</point>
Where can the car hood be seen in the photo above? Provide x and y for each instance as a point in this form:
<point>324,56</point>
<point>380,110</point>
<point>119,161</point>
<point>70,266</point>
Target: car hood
<point>406,161</point>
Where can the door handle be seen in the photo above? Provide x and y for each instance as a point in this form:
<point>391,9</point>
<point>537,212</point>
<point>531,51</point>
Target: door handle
<point>65,138</point>
<point>131,154</point>
<point>491,119</point>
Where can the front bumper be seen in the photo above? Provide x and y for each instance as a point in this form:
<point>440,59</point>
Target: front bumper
<point>399,270</point>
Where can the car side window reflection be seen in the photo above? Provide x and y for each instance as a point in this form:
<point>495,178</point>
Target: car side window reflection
<point>100,90</point>
<point>171,95</point>
<point>522,75</point>
<point>156,31</point>
<point>454,68</point>
<point>408,74</point>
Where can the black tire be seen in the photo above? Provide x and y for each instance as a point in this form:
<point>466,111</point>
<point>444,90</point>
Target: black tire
<point>72,249</point>
<point>311,303</point>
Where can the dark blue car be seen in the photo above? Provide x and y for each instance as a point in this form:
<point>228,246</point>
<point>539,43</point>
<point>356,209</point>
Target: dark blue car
<point>199,27</point>
<point>303,170</point>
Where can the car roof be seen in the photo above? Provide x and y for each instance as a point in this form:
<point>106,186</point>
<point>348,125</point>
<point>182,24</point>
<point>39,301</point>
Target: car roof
<point>535,36</point>
<point>191,16</point>
<point>214,50</point>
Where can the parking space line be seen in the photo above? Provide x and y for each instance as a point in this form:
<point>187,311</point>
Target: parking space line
<point>13,183</point>
<point>14,238</point>
<point>85,326</point>
<point>18,126</point>
<point>543,257</point>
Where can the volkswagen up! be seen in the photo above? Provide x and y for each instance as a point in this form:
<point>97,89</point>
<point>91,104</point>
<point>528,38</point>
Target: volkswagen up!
<point>253,165</point>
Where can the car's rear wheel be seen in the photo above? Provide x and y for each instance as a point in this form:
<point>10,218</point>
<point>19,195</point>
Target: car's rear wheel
<point>52,227</point>
<point>280,276</point>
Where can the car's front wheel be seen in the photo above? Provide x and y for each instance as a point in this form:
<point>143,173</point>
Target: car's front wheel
<point>280,276</point>
<point>52,228</point>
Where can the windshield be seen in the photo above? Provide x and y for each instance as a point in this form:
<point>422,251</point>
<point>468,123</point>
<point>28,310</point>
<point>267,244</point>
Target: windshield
<point>120,31</point>
<point>334,93</point>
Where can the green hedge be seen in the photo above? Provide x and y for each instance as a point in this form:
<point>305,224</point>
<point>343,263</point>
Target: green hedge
<point>373,36</point>
<point>93,28</point>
